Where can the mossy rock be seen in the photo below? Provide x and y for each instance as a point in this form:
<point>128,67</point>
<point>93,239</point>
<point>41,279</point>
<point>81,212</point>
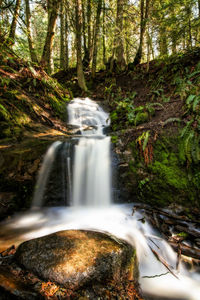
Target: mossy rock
<point>74,258</point>
<point>166,179</point>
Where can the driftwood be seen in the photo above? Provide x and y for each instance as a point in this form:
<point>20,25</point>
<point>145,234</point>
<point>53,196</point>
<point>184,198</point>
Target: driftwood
<point>186,250</point>
<point>183,228</point>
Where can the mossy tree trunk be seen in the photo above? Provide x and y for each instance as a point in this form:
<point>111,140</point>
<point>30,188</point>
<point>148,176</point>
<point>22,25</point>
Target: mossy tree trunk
<point>29,35</point>
<point>80,74</point>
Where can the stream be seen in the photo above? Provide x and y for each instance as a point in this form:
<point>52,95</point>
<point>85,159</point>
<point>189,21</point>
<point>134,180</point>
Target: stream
<point>74,191</point>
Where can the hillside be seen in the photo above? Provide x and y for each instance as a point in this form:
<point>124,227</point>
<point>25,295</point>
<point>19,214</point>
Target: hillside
<point>32,115</point>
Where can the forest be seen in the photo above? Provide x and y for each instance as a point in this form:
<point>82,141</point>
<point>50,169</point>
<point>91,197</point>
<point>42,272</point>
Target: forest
<point>100,149</point>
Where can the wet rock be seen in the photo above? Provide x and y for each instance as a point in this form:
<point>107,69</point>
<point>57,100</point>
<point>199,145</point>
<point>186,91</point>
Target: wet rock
<point>12,288</point>
<point>77,257</point>
<point>34,167</point>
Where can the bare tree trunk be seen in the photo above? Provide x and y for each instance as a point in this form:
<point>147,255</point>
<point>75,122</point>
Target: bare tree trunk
<point>66,60</point>
<point>80,74</point>
<point>199,8</point>
<point>96,33</point>
<point>89,44</point>
<point>53,7</point>
<point>104,34</point>
<point>84,28</point>
<point>14,22</point>
<point>119,47</point>
<point>29,35</point>
<point>144,12</point>
<point>62,35</point>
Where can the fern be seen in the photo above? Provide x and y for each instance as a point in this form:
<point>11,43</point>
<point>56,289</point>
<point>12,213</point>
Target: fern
<point>171,120</point>
<point>195,103</point>
<point>190,99</point>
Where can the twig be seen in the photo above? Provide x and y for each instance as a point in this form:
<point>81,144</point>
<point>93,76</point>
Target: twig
<point>156,275</point>
<point>162,261</point>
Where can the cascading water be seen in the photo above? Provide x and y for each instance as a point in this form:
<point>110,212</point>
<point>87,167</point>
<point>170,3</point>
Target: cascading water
<point>91,174</point>
<point>77,172</point>
<point>85,167</point>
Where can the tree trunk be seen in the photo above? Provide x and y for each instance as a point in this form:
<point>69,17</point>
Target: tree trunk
<point>104,34</point>
<point>84,28</point>
<point>89,13</point>
<point>163,41</point>
<point>14,22</point>
<point>66,60</point>
<point>144,12</point>
<point>29,35</point>
<point>96,33</point>
<point>119,47</point>
<point>62,35</point>
<point>80,74</point>
<point>199,8</point>
<point>53,7</point>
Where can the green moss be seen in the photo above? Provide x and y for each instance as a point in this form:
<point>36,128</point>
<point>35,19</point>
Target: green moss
<point>171,174</point>
<point>166,180</point>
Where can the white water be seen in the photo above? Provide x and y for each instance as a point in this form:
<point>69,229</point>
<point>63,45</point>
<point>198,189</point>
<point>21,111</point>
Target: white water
<point>91,171</point>
<point>118,221</point>
<point>90,186</point>
<point>84,113</point>
<point>44,173</point>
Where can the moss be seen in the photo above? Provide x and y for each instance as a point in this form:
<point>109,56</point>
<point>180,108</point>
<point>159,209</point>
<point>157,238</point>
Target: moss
<point>166,180</point>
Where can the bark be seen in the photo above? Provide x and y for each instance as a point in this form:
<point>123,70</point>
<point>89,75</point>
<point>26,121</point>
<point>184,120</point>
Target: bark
<point>119,47</point>
<point>96,33</point>
<point>144,12</point>
<point>62,35</point>
<point>66,60</point>
<point>53,7</point>
<point>84,28</point>
<point>80,74</point>
<point>163,41</point>
<point>89,13</point>
<point>14,22</point>
<point>199,8</point>
<point>29,35</point>
<point>104,34</point>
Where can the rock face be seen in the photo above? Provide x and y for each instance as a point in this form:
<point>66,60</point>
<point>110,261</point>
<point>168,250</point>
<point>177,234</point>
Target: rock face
<point>77,257</point>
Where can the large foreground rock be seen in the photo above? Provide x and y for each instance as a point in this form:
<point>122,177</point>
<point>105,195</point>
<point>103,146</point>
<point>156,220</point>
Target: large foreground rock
<point>77,257</point>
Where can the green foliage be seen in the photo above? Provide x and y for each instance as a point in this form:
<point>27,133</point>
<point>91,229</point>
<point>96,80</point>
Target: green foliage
<point>126,113</point>
<point>144,138</point>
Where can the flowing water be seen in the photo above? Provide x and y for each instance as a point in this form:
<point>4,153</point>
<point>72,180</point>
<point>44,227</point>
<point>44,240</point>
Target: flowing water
<point>85,169</point>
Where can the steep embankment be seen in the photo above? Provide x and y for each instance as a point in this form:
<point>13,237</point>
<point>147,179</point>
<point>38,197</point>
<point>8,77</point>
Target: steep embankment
<point>156,124</point>
<point>32,111</point>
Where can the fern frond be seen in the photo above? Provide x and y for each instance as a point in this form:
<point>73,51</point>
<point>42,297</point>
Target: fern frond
<point>171,120</point>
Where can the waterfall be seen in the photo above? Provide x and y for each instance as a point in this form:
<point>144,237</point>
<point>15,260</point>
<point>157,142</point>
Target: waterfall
<point>91,170</point>
<point>44,174</point>
<point>78,173</point>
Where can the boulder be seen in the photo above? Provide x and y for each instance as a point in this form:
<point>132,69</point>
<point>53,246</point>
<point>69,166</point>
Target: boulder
<point>74,258</point>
